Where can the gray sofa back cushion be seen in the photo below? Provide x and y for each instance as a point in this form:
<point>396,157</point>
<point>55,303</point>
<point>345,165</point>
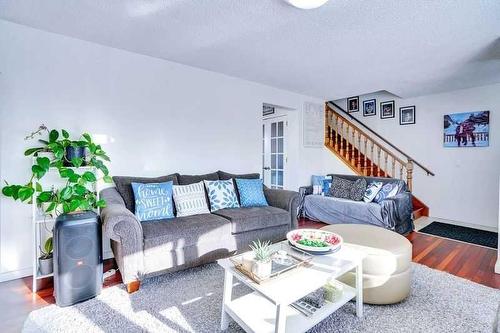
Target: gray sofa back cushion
<point>401,183</point>
<point>124,187</point>
<point>226,175</point>
<point>191,179</point>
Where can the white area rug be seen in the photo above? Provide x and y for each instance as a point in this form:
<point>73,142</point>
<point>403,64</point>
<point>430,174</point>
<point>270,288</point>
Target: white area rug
<point>190,301</point>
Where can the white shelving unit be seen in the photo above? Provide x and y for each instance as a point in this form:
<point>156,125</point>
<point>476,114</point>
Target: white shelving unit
<point>43,224</point>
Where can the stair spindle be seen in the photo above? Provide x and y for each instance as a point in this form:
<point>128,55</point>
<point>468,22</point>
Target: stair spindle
<point>358,159</point>
<point>372,172</point>
<point>386,157</point>
<point>341,137</point>
<point>378,161</point>
<point>365,153</point>
<point>409,174</point>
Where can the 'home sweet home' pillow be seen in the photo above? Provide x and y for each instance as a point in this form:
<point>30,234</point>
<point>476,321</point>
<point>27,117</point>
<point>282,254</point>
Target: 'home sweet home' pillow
<point>153,201</point>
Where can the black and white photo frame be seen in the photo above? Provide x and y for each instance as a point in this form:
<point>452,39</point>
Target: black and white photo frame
<point>407,115</point>
<point>353,104</point>
<point>369,108</point>
<point>387,109</point>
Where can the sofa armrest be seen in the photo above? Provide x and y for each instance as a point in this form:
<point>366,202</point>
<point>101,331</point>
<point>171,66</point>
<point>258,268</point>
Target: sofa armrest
<point>120,225</point>
<point>287,200</point>
<point>398,211</point>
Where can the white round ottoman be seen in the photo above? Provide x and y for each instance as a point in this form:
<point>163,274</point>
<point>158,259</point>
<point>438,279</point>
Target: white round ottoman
<point>386,267</point>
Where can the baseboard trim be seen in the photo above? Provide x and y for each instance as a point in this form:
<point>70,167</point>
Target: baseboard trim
<point>497,266</point>
<point>13,275</point>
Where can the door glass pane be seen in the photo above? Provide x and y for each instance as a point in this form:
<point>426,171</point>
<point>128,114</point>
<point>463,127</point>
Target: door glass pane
<point>273,129</point>
<point>273,177</point>
<point>273,161</point>
<point>280,128</point>
<point>280,178</point>
<point>273,145</point>
<point>280,161</point>
<point>280,146</point>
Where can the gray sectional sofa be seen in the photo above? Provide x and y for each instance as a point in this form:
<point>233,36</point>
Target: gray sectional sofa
<point>393,213</point>
<point>156,247</point>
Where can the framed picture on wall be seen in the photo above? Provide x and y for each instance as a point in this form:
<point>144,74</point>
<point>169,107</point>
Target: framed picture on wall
<point>467,129</point>
<point>369,107</point>
<point>353,104</point>
<point>387,110</point>
<point>407,115</point>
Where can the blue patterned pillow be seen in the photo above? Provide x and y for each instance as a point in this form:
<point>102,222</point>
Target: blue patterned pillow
<point>317,184</point>
<point>372,191</point>
<point>387,191</point>
<point>153,201</point>
<point>327,183</point>
<point>221,194</point>
<point>251,192</point>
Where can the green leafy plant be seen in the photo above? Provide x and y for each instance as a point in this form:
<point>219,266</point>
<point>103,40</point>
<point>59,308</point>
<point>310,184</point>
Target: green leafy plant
<point>261,250</point>
<point>75,194</point>
<point>47,250</point>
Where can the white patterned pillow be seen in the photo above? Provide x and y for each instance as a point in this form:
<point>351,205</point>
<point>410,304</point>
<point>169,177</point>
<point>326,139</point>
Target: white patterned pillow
<point>190,199</point>
<point>221,194</point>
<point>372,191</point>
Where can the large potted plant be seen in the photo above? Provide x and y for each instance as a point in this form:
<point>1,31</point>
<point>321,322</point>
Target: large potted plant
<point>77,192</point>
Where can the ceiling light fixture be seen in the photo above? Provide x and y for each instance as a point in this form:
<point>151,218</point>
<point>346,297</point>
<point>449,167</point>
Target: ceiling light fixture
<point>306,4</point>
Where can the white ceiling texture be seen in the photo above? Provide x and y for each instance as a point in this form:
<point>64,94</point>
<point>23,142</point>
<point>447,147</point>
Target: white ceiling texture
<point>346,47</point>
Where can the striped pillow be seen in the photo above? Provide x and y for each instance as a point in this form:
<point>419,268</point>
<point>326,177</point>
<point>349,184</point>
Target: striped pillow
<point>190,199</point>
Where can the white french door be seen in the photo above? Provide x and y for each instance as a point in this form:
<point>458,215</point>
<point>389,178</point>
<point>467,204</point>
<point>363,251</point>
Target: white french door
<point>274,152</point>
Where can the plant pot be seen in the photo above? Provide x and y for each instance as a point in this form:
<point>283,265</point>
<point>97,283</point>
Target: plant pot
<point>74,152</point>
<point>46,265</point>
<point>248,260</point>
<point>262,268</point>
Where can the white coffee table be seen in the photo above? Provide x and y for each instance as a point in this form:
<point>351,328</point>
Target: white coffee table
<point>267,308</point>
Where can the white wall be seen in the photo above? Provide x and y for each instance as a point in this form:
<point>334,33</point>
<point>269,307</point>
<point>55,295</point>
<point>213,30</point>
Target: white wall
<point>465,186</point>
<point>156,116</point>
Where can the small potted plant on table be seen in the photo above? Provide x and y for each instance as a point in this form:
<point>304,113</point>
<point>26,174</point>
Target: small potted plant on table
<point>262,265</point>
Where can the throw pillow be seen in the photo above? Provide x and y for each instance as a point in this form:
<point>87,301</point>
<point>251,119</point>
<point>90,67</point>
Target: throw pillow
<point>327,183</point>
<point>221,194</point>
<point>190,199</point>
<point>153,201</point>
<point>341,188</point>
<point>317,184</point>
<point>387,191</point>
<point>358,189</point>
<point>123,186</point>
<point>371,191</point>
<point>251,192</point>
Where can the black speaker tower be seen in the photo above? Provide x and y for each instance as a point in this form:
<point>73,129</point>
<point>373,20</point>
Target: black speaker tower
<point>77,257</point>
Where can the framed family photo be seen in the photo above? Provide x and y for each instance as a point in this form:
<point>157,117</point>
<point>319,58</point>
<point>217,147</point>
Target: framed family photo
<point>467,129</point>
<point>369,108</point>
<point>387,110</point>
<point>407,115</point>
<point>353,104</point>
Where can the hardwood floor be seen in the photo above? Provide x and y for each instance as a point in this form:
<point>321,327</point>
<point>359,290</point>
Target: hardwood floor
<point>468,261</point>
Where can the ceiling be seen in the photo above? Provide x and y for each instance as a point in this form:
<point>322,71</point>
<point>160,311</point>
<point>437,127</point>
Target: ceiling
<point>346,47</point>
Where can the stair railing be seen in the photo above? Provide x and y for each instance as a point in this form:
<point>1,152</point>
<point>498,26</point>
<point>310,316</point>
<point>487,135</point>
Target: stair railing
<point>362,153</point>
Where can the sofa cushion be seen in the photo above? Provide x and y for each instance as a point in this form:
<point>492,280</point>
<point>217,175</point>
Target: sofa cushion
<point>254,218</point>
<point>185,231</point>
<point>191,179</point>
<point>124,187</point>
<point>226,175</point>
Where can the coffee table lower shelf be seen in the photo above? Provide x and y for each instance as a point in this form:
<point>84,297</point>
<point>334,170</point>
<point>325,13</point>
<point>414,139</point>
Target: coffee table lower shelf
<point>254,313</point>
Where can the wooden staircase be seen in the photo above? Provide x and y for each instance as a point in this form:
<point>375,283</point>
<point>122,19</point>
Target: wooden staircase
<point>365,155</point>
